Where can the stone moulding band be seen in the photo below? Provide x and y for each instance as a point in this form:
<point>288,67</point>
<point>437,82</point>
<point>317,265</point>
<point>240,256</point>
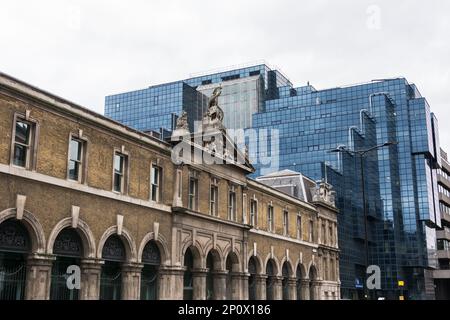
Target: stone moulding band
<point>22,173</point>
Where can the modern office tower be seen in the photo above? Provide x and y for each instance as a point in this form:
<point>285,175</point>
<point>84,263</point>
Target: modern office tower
<point>442,275</point>
<point>400,184</point>
<point>156,108</point>
<point>398,227</point>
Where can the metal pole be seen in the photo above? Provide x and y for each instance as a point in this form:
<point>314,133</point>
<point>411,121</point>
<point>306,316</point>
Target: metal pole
<point>366,238</point>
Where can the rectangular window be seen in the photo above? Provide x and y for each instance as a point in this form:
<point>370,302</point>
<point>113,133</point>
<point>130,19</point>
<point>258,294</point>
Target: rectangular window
<point>270,218</point>
<point>214,198</point>
<point>253,213</point>
<point>156,178</point>
<point>285,223</point>
<point>23,143</point>
<point>311,231</point>
<point>232,203</point>
<point>75,159</point>
<point>330,231</point>
<point>299,227</point>
<point>324,234</point>
<point>193,191</point>
<point>119,172</point>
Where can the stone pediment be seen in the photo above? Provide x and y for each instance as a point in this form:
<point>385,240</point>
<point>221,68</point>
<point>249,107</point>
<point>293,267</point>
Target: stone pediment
<point>210,143</point>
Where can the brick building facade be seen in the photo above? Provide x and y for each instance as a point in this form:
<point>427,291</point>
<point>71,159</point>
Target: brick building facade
<point>77,188</point>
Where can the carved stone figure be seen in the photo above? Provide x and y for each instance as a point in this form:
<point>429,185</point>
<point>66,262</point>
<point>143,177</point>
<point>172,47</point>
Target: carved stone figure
<point>323,192</point>
<point>182,127</point>
<point>214,99</point>
<point>212,120</point>
<point>182,121</point>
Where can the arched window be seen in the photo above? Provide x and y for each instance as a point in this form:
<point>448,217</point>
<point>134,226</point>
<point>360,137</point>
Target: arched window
<point>114,255</point>
<point>151,259</point>
<point>252,278</point>
<point>68,249</point>
<point>188,288</point>
<point>270,281</point>
<point>15,244</point>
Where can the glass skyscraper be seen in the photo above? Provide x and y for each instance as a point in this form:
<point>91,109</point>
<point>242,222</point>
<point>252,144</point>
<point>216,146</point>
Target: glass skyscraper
<point>400,180</point>
<point>156,108</point>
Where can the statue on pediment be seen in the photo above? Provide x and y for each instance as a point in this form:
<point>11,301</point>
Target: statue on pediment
<point>213,117</point>
<point>182,121</point>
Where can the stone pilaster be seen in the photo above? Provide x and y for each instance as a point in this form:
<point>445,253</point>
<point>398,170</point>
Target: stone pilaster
<point>39,274</point>
<point>278,288</point>
<point>305,289</point>
<point>91,270</point>
<point>292,291</point>
<point>261,287</point>
<point>315,290</point>
<point>131,281</point>
<point>220,285</point>
<point>170,285</point>
<point>239,284</point>
<point>199,283</point>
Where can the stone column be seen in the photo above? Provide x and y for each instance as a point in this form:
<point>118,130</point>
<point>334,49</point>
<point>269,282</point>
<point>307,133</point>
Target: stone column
<point>220,285</point>
<point>305,289</point>
<point>292,284</point>
<point>199,283</point>
<point>170,286</point>
<point>39,274</point>
<point>131,281</point>
<point>278,288</point>
<point>261,287</point>
<point>240,286</point>
<point>316,290</point>
<point>91,270</point>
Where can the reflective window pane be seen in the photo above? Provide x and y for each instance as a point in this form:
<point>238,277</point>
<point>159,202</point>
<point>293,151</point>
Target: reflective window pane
<point>75,150</point>
<point>20,155</point>
<point>73,170</point>
<point>22,132</point>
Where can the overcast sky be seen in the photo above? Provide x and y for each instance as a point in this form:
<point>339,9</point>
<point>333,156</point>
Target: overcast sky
<point>84,50</point>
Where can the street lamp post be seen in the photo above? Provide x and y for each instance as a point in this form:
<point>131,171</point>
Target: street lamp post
<point>361,154</point>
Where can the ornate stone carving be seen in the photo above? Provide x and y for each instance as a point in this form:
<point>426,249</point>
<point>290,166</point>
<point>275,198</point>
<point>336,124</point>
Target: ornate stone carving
<point>182,121</point>
<point>323,192</point>
<point>182,126</point>
<point>14,237</point>
<point>114,249</point>
<point>68,243</point>
<point>212,120</point>
<point>151,254</point>
<point>214,99</point>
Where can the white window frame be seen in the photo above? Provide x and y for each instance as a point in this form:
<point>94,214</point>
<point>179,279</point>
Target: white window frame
<point>232,203</point>
<point>299,226</point>
<point>270,218</point>
<point>82,169</point>
<point>285,222</point>
<point>193,176</point>
<point>158,185</point>
<point>254,212</point>
<point>31,152</point>
<point>214,197</point>
<point>125,171</point>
